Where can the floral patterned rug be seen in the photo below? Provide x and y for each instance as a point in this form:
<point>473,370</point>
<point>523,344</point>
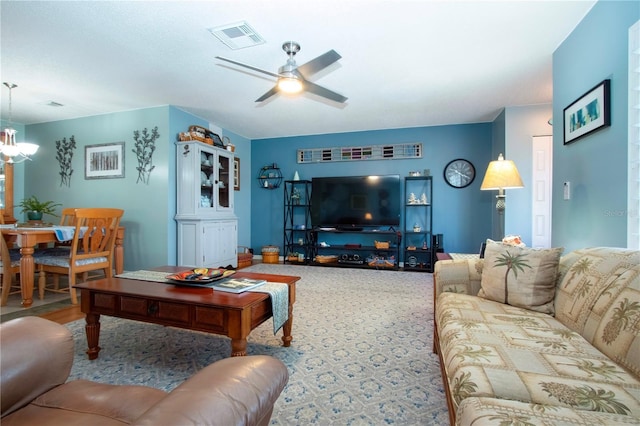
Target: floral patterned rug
<point>361,351</point>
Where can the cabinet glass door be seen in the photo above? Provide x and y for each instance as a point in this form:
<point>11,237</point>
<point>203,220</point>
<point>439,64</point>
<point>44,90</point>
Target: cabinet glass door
<point>206,179</point>
<point>224,183</point>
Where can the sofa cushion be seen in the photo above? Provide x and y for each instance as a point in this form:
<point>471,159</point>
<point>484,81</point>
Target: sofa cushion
<point>599,297</point>
<point>490,349</point>
<point>499,412</point>
<point>520,276</point>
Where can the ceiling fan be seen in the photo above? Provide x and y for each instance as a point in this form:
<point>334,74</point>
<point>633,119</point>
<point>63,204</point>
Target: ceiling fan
<point>293,78</point>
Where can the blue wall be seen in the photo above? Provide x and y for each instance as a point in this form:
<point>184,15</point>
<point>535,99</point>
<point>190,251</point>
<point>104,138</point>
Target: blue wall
<point>463,216</point>
<point>596,165</point>
<point>150,209</point>
<point>146,206</point>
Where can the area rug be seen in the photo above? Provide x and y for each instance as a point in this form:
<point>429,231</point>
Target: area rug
<point>361,351</point>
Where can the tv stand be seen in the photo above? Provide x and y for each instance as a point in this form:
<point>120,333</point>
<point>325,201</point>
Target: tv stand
<point>356,247</point>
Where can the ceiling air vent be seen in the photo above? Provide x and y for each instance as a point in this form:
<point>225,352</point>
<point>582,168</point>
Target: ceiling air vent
<point>237,36</point>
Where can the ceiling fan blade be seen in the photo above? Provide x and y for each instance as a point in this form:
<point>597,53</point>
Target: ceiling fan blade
<point>267,95</point>
<point>319,63</point>
<point>325,93</point>
<point>248,66</point>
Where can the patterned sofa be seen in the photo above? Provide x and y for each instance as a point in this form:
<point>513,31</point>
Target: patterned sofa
<point>579,364</point>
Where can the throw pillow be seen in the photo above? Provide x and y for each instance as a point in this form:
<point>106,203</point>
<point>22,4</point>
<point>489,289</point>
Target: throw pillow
<point>520,276</point>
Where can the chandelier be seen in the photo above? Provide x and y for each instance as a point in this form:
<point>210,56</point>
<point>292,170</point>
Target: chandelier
<point>15,152</point>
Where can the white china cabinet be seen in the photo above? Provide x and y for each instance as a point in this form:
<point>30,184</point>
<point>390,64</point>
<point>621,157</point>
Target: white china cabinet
<point>207,225</point>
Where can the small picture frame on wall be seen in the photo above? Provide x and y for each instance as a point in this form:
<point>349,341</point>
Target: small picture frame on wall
<point>588,113</point>
<point>104,161</point>
<point>236,174</point>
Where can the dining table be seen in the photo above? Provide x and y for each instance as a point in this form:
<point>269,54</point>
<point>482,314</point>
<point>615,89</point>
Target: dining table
<point>30,237</point>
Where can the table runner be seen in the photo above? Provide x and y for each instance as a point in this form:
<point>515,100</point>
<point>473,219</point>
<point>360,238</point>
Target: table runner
<point>279,293</point>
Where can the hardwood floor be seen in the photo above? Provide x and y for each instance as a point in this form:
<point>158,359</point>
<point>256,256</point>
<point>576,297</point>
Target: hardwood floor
<point>64,315</point>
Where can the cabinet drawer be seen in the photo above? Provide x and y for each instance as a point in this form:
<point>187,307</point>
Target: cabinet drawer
<point>134,305</point>
<point>104,302</point>
<point>211,319</point>
<point>174,312</point>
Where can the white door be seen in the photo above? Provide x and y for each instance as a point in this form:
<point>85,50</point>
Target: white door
<point>542,156</point>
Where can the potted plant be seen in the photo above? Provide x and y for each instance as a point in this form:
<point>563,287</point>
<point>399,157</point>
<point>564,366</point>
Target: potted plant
<point>35,208</point>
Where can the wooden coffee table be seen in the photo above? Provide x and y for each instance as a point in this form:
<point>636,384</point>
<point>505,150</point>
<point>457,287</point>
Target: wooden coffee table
<point>202,309</point>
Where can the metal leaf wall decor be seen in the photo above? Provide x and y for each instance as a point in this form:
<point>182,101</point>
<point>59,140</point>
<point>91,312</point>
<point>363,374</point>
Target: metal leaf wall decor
<point>144,148</point>
<point>64,155</point>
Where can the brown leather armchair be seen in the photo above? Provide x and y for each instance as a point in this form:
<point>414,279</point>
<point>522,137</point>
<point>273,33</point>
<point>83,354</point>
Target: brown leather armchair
<point>36,359</point>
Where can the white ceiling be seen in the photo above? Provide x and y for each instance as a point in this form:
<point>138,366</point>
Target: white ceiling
<point>404,63</point>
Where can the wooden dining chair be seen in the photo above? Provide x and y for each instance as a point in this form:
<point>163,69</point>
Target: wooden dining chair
<point>68,216</point>
<point>9,266</point>
<point>91,249</point>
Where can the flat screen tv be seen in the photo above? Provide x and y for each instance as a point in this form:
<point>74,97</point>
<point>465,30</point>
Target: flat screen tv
<point>355,201</point>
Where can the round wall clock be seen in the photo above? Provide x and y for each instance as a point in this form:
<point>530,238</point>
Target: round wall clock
<point>459,173</point>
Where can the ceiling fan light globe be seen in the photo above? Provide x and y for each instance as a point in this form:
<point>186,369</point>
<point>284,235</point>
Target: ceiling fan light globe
<point>290,85</point>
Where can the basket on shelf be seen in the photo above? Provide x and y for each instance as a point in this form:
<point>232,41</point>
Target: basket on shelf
<point>381,244</point>
<point>377,262</point>
<point>326,258</point>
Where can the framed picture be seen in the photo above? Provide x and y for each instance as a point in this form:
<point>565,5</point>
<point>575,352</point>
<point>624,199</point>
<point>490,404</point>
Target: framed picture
<point>105,161</point>
<point>588,113</point>
<point>236,174</point>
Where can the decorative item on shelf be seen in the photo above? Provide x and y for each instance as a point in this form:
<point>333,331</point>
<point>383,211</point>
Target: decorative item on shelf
<point>296,176</point>
<point>295,257</point>
<point>414,173</point>
<point>295,196</point>
<point>416,228</point>
<point>200,134</point>
<point>424,245</point>
<point>411,248</point>
<point>412,198</point>
<point>423,199</point>
<point>227,143</point>
<point>17,152</point>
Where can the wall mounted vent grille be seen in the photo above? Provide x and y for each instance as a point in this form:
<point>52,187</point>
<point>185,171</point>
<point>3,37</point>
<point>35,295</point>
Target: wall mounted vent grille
<point>400,151</point>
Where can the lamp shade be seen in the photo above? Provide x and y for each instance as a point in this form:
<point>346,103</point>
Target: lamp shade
<point>501,174</point>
